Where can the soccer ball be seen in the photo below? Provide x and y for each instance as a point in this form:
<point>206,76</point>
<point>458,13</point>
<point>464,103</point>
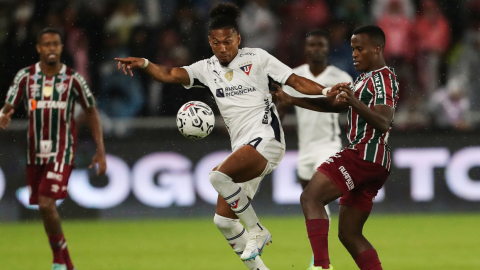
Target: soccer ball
<point>195,120</point>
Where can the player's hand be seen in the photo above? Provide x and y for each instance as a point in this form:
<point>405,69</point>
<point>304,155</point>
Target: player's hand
<point>281,96</point>
<point>337,89</point>
<point>5,119</point>
<point>346,96</point>
<point>99,159</point>
<point>129,63</point>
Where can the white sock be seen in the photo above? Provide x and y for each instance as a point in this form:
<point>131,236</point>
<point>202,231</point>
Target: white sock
<point>237,238</point>
<point>237,199</point>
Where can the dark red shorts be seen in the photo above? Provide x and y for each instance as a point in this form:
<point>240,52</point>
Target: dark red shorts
<point>48,180</point>
<point>359,180</point>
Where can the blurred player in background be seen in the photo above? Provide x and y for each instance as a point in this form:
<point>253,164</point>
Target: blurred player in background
<point>239,81</point>
<point>318,133</point>
<point>49,90</point>
<point>356,173</point>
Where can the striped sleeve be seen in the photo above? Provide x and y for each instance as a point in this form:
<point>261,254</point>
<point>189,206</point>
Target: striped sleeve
<point>383,89</point>
<point>82,92</point>
<point>17,88</point>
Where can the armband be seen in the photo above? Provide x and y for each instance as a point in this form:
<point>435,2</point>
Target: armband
<point>145,64</point>
<point>325,90</point>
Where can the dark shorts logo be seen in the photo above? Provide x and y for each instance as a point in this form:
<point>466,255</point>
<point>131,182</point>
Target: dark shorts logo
<point>220,92</point>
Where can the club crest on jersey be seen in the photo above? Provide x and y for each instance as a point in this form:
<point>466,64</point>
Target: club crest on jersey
<point>246,68</point>
<point>35,77</point>
<point>45,146</point>
<point>64,77</point>
<point>61,87</point>
<point>229,75</point>
<point>234,204</point>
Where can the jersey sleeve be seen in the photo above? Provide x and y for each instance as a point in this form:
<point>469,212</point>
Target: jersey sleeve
<point>82,92</point>
<point>383,85</point>
<point>17,88</point>
<point>273,67</point>
<point>196,73</point>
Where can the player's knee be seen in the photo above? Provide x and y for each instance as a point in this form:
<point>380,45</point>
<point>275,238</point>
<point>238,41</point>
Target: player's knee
<point>347,236</point>
<point>307,198</point>
<point>224,223</point>
<point>46,205</point>
<point>218,178</point>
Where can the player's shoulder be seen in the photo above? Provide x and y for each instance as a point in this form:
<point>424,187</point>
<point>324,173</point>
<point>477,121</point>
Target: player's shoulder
<point>301,69</point>
<point>251,54</point>
<point>338,72</point>
<point>385,71</point>
<point>25,70</point>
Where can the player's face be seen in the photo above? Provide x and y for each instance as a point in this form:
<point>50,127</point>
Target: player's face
<point>316,48</point>
<point>224,43</point>
<point>50,48</point>
<point>364,52</point>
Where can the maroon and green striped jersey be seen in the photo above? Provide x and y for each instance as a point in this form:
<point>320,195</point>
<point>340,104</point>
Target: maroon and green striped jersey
<point>379,87</point>
<point>50,102</point>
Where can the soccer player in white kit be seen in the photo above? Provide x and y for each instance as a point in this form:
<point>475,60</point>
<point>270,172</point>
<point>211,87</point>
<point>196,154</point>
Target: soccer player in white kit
<point>318,133</point>
<point>238,80</point>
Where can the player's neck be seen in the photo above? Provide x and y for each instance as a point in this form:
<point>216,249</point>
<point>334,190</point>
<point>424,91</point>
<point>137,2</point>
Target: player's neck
<point>50,70</point>
<point>380,64</point>
<point>316,68</point>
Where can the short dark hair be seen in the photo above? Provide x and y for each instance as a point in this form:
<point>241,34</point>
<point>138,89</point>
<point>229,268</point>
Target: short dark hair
<point>49,30</point>
<point>375,33</point>
<point>224,15</point>
<point>317,32</point>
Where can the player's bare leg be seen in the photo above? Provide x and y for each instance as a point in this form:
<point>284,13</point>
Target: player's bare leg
<point>53,228</point>
<point>318,193</point>
<point>350,227</point>
<point>229,224</point>
<point>241,166</point>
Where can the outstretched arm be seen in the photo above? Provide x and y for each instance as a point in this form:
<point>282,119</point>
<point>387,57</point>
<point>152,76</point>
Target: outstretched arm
<point>96,129</point>
<point>6,116</point>
<point>319,104</point>
<point>158,72</point>
<point>304,85</point>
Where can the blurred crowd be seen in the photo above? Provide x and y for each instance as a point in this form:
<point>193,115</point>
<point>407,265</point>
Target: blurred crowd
<point>433,45</point>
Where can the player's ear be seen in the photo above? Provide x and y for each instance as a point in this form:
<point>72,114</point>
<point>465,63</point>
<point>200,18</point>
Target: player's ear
<point>38,47</point>
<point>239,39</point>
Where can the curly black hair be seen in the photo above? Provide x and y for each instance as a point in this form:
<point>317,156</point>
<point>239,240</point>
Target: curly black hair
<point>224,15</point>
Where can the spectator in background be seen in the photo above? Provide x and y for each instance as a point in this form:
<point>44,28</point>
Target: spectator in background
<point>379,7</point>
<point>124,19</point>
<point>76,43</point>
<point>432,39</point>
<point>299,18</point>
<point>468,66</point>
<point>399,48</point>
<point>258,26</point>
<point>340,50</point>
<point>352,11</point>
<point>191,31</point>
<point>449,107</point>
<point>119,95</point>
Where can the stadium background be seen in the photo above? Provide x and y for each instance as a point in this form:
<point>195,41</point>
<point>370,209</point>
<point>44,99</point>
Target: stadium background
<point>156,176</point>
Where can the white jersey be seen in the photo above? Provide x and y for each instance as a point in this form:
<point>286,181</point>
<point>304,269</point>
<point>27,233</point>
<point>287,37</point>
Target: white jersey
<point>317,131</point>
<point>242,94</point>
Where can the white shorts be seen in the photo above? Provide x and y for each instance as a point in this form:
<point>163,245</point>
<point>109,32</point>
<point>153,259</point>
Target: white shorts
<point>273,151</point>
<point>309,162</point>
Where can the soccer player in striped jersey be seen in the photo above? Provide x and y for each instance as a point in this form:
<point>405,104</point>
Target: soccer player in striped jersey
<point>49,90</point>
<point>356,173</point>
<point>318,133</point>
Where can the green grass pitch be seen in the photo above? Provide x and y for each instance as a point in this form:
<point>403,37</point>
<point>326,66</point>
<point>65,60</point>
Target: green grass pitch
<point>414,241</point>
